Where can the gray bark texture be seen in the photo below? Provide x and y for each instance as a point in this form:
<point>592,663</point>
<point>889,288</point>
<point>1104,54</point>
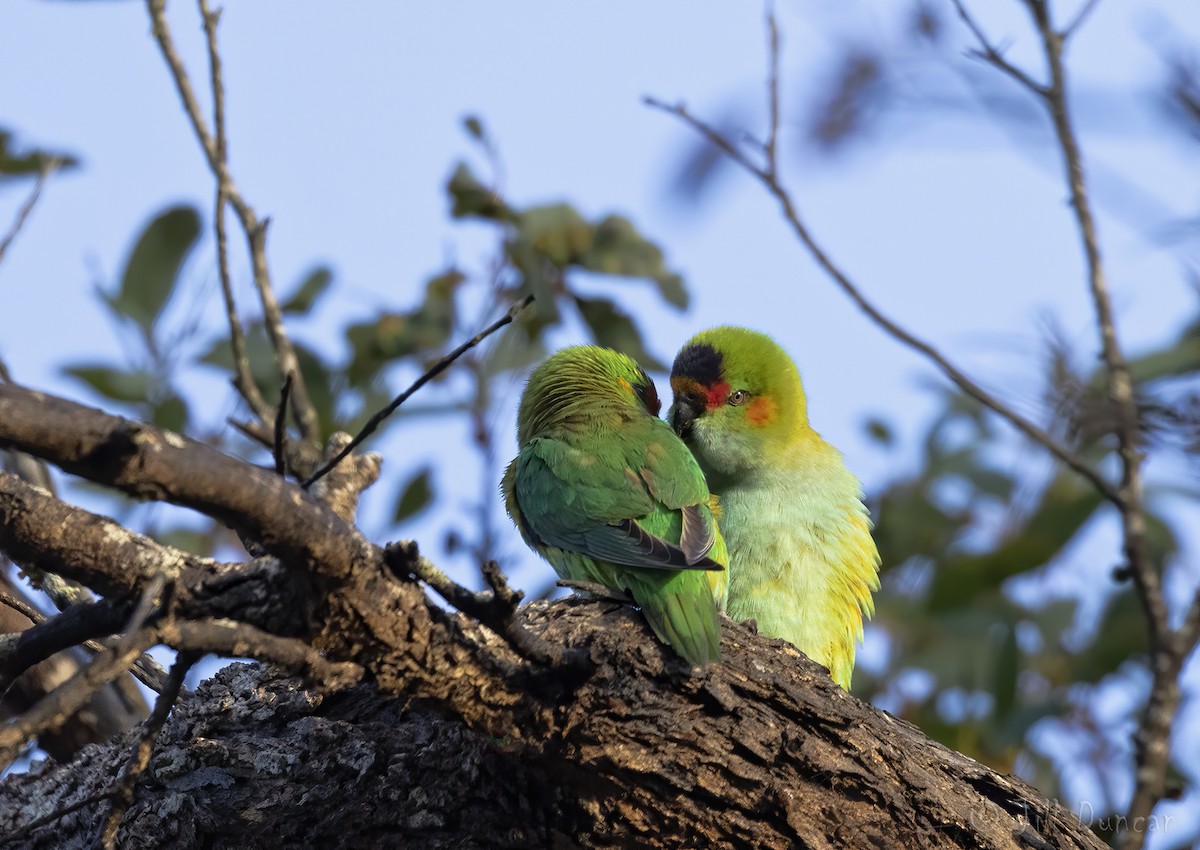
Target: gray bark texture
<point>760,751</point>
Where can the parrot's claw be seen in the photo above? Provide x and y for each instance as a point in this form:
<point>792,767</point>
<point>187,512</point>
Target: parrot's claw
<point>751,624</point>
<point>595,589</point>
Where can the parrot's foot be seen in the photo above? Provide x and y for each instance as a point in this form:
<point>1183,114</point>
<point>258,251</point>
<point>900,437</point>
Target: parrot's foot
<point>595,589</point>
<point>751,624</point>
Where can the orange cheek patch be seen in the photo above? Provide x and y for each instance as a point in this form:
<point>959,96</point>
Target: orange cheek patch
<point>760,411</point>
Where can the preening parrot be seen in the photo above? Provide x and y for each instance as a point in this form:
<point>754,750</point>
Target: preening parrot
<point>607,493</point>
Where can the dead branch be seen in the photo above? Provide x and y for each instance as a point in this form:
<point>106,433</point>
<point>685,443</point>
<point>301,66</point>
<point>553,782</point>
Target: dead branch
<point>139,759</point>
<point>150,463</point>
<point>431,373</point>
<point>49,166</point>
<point>768,175</point>
<point>497,610</point>
<point>71,695</point>
<point>254,228</point>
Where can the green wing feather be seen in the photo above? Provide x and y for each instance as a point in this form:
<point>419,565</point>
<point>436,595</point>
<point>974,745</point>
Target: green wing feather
<point>632,515</point>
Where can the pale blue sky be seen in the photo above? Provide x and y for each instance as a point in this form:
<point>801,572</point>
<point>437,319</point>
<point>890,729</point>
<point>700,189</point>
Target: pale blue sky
<point>344,123</point>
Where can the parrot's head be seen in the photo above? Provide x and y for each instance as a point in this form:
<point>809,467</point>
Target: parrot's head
<point>738,400</point>
<point>584,388</point>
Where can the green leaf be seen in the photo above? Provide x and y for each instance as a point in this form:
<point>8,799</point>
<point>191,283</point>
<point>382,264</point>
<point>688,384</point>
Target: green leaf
<point>880,431</point>
<point>312,288</point>
<point>416,495</point>
<point>15,164</point>
<point>469,197</point>
<point>153,267</point>
<point>1120,636</point>
<point>171,413</point>
<point>1008,665</point>
<point>393,336</point>
<point>1065,506</point>
<point>119,385</point>
<point>618,249</point>
<point>613,328</point>
<point>555,232</point>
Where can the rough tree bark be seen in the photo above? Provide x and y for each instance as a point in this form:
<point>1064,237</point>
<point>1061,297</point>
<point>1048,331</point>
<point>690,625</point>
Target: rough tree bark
<point>451,738</point>
<point>762,751</point>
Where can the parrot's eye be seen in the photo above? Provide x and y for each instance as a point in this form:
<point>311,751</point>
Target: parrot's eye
<point>648,395</point>
<point>738,397</point>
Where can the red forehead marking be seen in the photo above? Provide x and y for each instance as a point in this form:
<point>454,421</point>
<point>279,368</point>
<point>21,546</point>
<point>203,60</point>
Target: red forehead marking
<point>716,395</point>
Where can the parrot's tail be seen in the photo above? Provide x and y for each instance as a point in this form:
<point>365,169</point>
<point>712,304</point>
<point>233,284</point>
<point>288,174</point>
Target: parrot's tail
<point>681,611</point>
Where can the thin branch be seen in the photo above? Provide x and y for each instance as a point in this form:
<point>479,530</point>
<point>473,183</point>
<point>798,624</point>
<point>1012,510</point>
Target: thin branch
<point>776,188</point>
<point>139,760</point>
<point>495,610</point>
<point>76,626</point>
<point>144,747</point>
<point>52,709</point>
<point>243,380</point>
<point>1152,758</point>
<point>254,228</point>
<point>242,640</point>
<point>20,832</point>
<point>771,148</point>
<point>988,52</point>
<point>431,373</point>
<point>49,166</point>
<point>145,669</point>
<point>24,609</point>
<point>281,425</point>
<point>1080,17</point>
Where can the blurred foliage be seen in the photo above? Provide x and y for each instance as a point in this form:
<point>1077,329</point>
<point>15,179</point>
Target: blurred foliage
<point>22,163</point>
<point>547,249</point>
<point>962,534</point>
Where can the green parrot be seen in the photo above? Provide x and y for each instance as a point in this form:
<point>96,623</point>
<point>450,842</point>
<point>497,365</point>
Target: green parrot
<point>604,490</point>
<point>802,563</point>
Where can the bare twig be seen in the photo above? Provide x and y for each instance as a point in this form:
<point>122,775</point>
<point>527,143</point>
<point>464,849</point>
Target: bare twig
<point>72,694</point>
<point>243,379</point>
<point>24,609</point>
<point>139,760</point>
<point>281,425</point>
<point>989,53</point>
<point>431,373</point>
<point>495,610</point>
<point>49,166</point>
<point>233,639</point>
<point>1080,17</point>
<point>772,144</point>
<point>1168,649</point>
<point>20,832</point>
<point>768,176</point>
<point>254,228</point>
<point>78,625</point>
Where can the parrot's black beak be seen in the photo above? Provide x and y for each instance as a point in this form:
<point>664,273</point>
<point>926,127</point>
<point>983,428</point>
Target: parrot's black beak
<point>683,414</point>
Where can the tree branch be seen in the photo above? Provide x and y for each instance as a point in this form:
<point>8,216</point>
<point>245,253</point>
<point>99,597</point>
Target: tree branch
<point>431,373</point>
<point>70,696</point>
<point>988,52</point>
<point>496,610</point>
<point>254,228</point>
<point>106,838</point>
<point>150,463</point>
<point>768,176</point>
<point>49,166</point>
